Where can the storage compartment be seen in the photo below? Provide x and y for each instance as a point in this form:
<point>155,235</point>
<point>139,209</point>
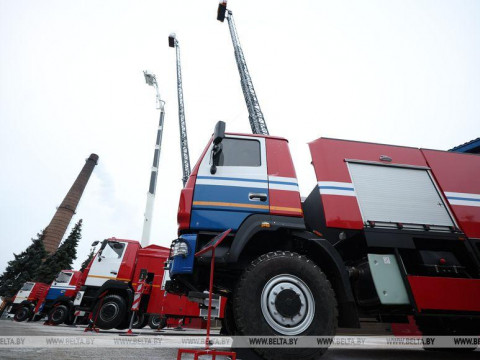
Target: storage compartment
<point>399,195</point>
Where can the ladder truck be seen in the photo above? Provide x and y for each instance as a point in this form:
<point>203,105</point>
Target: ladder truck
<point>387,233</point>
<point>185,157</point>
<point>255,115</point>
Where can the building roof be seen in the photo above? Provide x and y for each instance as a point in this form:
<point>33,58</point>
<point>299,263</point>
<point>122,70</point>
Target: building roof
<point>472,146</point>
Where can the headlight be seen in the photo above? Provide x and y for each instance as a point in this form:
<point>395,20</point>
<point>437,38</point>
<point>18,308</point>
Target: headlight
<point>180,248</point>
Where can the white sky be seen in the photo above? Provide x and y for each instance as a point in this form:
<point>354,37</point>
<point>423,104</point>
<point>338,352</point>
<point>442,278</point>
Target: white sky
<point>403,72</point>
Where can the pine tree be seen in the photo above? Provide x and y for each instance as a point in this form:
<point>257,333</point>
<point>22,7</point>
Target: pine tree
<point>87,260</point>
<point>61,259</point>
<point>23,267</point>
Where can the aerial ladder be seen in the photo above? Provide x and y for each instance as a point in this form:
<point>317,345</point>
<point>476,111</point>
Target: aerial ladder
<point>151,80</point>
<point>173,42</point>
<point>255,115</point>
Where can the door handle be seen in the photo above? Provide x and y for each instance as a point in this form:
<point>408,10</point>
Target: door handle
<point>257,197</point>
<point>113,272</point>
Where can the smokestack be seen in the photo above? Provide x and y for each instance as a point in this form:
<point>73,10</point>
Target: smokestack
<point>59,223</point>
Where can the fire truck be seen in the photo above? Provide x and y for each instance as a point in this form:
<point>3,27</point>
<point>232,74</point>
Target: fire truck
<point>111,280</point>
<point>26,299</point>
<point>58,302</point>
<point>387,233</point>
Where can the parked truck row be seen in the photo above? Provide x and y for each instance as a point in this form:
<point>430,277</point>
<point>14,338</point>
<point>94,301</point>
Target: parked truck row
<point>104,292</point>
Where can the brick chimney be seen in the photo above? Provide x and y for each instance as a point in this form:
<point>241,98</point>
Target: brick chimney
<point>59,223</point>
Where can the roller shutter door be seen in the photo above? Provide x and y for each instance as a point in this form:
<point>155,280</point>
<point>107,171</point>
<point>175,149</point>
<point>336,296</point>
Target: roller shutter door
<point>399,195</point>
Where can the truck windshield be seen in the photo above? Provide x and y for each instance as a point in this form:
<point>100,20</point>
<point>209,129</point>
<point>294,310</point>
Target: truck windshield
<point>113,250</point>
<point>27,287</point>
<point>63,277</point>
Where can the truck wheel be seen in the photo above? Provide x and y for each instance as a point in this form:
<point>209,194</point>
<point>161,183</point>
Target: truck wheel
<point>139,320</point>
<point>22,314</point>
<point>111,312</point>
<point>157,322</point>
<point>228,322</point>
<point>58,315</point>
<point>284,293</point>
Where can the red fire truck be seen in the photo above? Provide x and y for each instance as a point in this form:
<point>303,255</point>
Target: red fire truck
<point>387,232</point>
<point>110,281</point>
<point>26,299</point>
<point>58,302</point>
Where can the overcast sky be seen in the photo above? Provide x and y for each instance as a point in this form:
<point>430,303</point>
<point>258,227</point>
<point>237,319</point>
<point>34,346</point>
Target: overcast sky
<point>399,72</point>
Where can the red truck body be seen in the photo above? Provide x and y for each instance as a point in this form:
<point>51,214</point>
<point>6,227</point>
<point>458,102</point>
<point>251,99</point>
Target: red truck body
<point>394,229</point>
<point>111,279</point>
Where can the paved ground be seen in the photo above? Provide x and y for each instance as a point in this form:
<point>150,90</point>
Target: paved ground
<point>10,328</point>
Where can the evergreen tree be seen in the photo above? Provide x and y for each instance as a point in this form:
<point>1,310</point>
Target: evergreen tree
<point>87,260</point>
<point>23,267</point>
<point>61,259</point>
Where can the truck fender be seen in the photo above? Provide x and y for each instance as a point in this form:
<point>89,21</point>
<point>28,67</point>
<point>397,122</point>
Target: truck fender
<point>110,285</point>
<point>27,303</point>
<point>252,226</point>
<point>327,257</point>
<point>64,300</point>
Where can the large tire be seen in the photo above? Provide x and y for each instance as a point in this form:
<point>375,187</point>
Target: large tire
<point>110,312</point>
<point>157,322</point>
<point>140,320</point>
<point>229,328</point>
<point>22,314</point>
<point>58,315</point>
<point>284,293</point>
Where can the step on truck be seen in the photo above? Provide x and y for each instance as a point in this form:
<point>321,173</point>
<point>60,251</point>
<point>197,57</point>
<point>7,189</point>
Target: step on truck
<point>111,279</point>
<point>386,233</point>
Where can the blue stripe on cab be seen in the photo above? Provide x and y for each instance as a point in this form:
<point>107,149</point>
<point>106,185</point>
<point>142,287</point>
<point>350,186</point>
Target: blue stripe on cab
<point>461,198</point>
<point>336,188</point>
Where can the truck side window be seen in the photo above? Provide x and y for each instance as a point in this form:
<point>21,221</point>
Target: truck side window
<point>27,287</point>
<point>240,152</point>
<point>63,277</point>
<point>113,250</point>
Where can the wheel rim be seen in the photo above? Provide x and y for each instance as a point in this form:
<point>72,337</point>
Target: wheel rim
<point>57,315</point>
<point>287,304</point>
<point>156,321</point>
<point>22,313</point>
<point>109,311</point>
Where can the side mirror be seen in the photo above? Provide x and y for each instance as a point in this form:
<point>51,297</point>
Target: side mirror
<point>219,133</point>
<point>218,136</point>
<point>95,243</point>
<point>216,151</point>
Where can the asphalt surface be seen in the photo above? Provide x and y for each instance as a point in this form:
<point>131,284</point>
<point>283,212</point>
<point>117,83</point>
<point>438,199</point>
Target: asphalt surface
<point>33,329</point>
